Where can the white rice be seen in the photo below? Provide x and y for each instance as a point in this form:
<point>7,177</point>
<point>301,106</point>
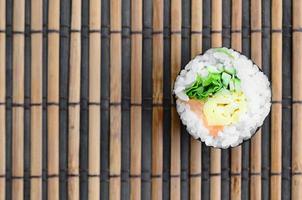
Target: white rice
<point>254,85</point>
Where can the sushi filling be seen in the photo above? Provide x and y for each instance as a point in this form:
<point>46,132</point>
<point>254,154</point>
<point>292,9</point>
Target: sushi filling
<point>218,96</point>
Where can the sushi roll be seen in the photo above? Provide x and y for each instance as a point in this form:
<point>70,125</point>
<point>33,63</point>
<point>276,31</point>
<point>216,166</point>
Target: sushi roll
<point>222,97</point>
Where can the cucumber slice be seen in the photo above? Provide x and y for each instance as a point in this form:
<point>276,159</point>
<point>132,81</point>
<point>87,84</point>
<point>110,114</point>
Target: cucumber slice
<point>212,69</point>
<point>230,70</point>
<point>225,51</point>
<point>232,85</point>
<point>225,78</point>
<point>237,84</point>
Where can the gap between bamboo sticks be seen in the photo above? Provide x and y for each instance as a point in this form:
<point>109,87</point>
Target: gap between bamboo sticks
<point>2,98</point>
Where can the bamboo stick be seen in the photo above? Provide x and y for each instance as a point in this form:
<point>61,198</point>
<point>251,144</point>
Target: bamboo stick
<point>18,99</point>
<point>237,24</point>
<point>74,101</point>
<point>36,100</point>
<point>136,99</point>
<point>215,179</point>
<point>255,186</point>
<point>2,99</point>
<point>157,114</point>
<point>195,148</point>
<point>236,152</point>
<point>115,100</point>
<point>157,153</point>
<point>196,27</point>
<point>53,99</point>
<point>276,120</point>
<point>297,107</point>
<point>94,100</point>
<point>175,123</point>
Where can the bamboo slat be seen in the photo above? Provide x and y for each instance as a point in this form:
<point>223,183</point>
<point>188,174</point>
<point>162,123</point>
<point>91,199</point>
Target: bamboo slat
<point>297,106</point>
<point>115,100</point>
<point>2,99</point>
<point>18,99</point>
<point>237,24</point>
<point>236,153</point>
<point>215,179</point>
<point>276,120</point>
<point>157,114</point>
<point>196,27</point>
<point>136,99</point>
<point>53,99</point>
<point>175,168</point>
<point>74,101</point>
<point>94,100</point>
<point>157,154</point>
<point>195,148</point>
<point>36,99</point>
<point>255,163</point>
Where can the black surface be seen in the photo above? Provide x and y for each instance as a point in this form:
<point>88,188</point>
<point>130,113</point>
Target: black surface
<point>185,137</point>
<point>206,44</point>
<point>147,103</point>
<point>105,79</point>
<point>246,44</point>
<point>167,103</point>
<point>266,61</point>
<point>287,98</point>
<point>226,153</point>
<point>126,45</point>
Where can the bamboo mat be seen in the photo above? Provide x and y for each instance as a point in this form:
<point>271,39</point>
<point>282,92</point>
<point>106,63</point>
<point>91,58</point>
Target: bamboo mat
<point>86,110</point>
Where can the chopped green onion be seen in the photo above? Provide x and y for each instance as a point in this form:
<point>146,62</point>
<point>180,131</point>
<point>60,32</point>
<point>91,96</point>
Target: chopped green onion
<point>230,70</point>
<point>212,69</point>
<point>237,84</point>
<point>232,85</point>
<point>225,78</point>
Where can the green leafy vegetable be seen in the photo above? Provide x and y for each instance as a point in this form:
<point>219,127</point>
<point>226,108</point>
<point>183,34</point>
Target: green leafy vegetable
<point>203,87</point>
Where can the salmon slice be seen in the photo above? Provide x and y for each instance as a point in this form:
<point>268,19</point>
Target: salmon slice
<point>196,106</point>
